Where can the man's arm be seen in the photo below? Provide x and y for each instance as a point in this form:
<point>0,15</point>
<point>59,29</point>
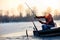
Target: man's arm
<point>42,22</point>
<point>45,22</point>
<point>40,16</point>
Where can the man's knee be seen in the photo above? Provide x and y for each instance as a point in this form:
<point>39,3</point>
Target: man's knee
<point>44,27</point>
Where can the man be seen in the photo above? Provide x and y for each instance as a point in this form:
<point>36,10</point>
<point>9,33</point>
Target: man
<point>49,21</point>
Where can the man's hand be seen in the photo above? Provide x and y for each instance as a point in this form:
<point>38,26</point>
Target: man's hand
<point>35,17</point>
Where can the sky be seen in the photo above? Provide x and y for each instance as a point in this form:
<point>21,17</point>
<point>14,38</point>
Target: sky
<point>40,4</point>
<point>7,4</point>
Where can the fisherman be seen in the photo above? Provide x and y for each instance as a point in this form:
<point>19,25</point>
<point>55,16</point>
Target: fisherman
<point>49,21</point>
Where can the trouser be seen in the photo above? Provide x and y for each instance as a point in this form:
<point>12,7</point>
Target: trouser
<point>45,27</point>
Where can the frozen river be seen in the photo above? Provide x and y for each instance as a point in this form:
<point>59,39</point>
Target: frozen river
<point>17,31</point>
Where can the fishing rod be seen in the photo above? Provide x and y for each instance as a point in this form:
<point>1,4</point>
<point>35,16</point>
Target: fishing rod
<point>30,9</point>
<point>32,14</point>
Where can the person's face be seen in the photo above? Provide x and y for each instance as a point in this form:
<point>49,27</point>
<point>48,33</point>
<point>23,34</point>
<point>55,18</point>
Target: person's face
<point>46,15</point>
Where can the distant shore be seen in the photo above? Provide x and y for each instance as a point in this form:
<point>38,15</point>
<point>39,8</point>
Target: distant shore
<point>23,21</point>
